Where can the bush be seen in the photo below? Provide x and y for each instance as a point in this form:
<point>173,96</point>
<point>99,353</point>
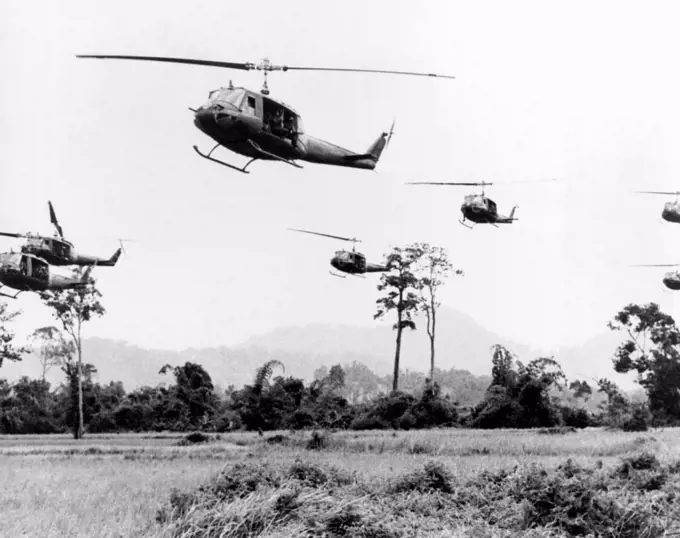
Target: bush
<point>195,438</point>
<point>368,422</point>
<point>434,476</point>
<point>576,417</point>
<point>101,423</point>
<point>637,422</point>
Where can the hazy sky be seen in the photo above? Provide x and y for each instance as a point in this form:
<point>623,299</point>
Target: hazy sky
<point>584,91</point>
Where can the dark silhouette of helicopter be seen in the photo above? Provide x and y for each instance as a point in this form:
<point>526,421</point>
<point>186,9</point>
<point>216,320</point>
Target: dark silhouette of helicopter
<point>260,127</point>
<point>57,250</point>
<point>353,263</point>
<point>671,279</point>
<point>671,210</point>
<point>479,209</point>
<point>27,272</point>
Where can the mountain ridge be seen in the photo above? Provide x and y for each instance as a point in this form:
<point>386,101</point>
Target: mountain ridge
<point>461,343</point>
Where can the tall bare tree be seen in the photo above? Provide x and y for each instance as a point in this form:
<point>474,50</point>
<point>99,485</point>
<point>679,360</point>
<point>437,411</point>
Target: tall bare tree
<point>8,350</point>
<point>399,285</point>
<point>73,308</point>
<point>432,269</point>
<point>53,349</point>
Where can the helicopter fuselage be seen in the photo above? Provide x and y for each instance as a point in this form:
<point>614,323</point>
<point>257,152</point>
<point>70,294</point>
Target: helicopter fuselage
<point>26,272</point>
<point>60,252</point>
<point>482,210</point>
<point>672,280</point>
<point>260,127</point>
<point>354,263</point>
<point>671,212</point>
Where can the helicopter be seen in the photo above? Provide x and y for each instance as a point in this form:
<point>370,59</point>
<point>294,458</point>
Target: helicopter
<point>671,210</point>
<point>671,279</point>
<point>57,250</point>
<point>263,128</point>
<point>27,272</point>
<point>479,209</point>
<point>353,263</point>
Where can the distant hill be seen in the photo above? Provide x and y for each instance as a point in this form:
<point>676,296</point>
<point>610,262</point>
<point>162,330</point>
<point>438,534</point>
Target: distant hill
<point>462,344</point>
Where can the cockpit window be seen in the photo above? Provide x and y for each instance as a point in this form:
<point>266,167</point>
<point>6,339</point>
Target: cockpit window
<point>233,97</point>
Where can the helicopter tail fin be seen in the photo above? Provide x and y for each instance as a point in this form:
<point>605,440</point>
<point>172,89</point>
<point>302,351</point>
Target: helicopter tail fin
<point>375,150</point>
<point>113,259</point>
<point>512,213</point>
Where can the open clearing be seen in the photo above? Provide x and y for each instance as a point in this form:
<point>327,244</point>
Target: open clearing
<point>115,485</point>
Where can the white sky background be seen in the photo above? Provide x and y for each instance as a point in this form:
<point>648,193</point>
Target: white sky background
<point>585,91</point>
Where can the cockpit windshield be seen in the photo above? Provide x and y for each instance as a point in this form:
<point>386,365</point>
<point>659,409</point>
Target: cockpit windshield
<point>232,96</point>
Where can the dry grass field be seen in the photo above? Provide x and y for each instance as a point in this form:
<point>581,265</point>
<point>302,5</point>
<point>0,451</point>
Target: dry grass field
<point>379,484</point>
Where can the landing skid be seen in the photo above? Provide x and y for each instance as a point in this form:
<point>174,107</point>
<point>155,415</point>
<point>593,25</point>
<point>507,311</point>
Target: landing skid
<point>344,276</point>
<point>466,225</point>
<point>11,296</point>
<point>271,155</point>
<point>243,170</point>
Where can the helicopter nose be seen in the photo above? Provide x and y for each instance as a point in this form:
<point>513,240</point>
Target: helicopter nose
<point>204,118</point>
<point>335,262</point>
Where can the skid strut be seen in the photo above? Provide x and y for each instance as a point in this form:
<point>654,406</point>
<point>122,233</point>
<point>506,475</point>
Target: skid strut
<point>208,156</point>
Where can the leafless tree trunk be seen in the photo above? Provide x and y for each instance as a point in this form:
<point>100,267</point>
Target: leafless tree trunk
<point>81,426</point>
<point>397,351</point>
<point>431,323</point>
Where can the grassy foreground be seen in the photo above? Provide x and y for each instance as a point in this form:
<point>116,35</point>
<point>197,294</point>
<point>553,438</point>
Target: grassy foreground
<point>380,484</point>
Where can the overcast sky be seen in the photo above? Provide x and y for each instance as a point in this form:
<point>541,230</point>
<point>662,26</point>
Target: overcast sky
<point>582,91</point>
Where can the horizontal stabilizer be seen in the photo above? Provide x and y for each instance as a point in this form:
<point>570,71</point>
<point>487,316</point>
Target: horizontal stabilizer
<point>360,157</point>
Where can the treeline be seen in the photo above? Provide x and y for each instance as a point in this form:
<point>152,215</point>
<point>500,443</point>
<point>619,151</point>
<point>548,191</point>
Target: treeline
<point>517,396</point>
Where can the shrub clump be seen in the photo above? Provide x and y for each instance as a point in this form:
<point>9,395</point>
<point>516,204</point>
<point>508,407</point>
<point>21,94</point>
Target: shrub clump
<point>318,441</point>
<point>236,482</point>
<point>557,430</point>
<point>194,439</point>
<point>277,439</point>
<point>573,499</point>
<point>434,476</point>
<point>638,420</point>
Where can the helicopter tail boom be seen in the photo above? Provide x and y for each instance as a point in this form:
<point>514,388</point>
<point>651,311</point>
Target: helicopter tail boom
<point>375,150</point>
<point>376,268</point>
<point>113,259</point>
<point>508,220</point>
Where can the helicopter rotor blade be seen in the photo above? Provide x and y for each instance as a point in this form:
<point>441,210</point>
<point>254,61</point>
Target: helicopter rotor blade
<point>53,219</point>
<point>209,63</point>
<point>483,183</point>
<point>667,193</point>
<point>657,265</point>
<point>264,65</point>
<point>467,184</point>
<point>7,234</point>
<point>347,70</point>
<point>327,235</point>
<point>544,180</point>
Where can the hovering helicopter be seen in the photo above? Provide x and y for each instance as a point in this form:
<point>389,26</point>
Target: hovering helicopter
<point>479,209</point>
<point>671,210</point>
<point>57,250</point>
<point>671,279</point>
<point>27,272</point>
<point>262,128</point>
<point>353,263</point>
